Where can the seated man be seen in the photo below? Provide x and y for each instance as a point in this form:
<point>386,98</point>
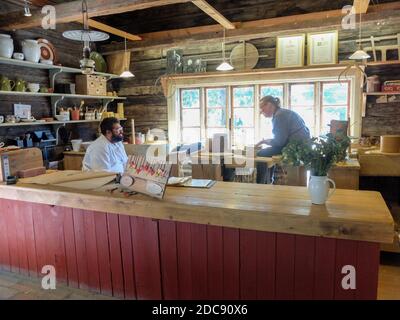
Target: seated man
<point>287,125</point>
<point>107,153</point>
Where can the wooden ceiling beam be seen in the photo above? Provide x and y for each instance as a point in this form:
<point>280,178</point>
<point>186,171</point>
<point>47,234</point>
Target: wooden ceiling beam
<point>361,6</point>
<point>106,28</point>
<point>72,11</point>
<point>213,13</point>
<point>255,29</point>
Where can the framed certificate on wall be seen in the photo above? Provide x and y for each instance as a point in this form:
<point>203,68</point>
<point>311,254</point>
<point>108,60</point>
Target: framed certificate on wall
<point>290,51</point>
<point>322,48</point>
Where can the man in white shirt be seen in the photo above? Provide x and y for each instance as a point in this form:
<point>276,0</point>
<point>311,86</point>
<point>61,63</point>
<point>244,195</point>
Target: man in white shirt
<point>107,153</point>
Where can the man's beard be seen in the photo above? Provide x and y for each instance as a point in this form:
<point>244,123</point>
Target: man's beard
<point>117,138</point>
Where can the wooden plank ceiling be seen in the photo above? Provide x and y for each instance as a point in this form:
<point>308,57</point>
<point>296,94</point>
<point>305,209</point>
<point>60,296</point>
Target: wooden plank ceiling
<point>163,23</point>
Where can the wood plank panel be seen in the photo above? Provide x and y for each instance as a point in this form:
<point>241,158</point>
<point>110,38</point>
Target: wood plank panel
<point>127,257</point>
<point>231,263</point>
<point>346,254</point>
<point>199,261</point>
<point>248,265</point>
<point>368,256</point>
<point>40,236</point>
<point>117,276</point>
<point>19,212</point>
<point>324,271</point>
<point>12,235</point>
<point>70,249</point>
<point>54,229</point>
<point>184,260</point>
<point>266,257</point>
<point>285,266</point>
<point>169,259</point>
<point>215,261</point>
<point>147,260</point>
<point>91,251</point>
<point>304,267</point>
<point>103,253</point>
<point>80,244</point>
<point>29,238</point>
<point>4,245</point>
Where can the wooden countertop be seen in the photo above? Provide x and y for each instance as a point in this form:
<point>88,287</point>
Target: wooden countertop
<point>357,215</point>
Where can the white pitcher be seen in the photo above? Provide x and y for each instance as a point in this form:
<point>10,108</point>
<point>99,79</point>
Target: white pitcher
<point>6,46</point>
<point>318,187</point>
<point>31,50</point>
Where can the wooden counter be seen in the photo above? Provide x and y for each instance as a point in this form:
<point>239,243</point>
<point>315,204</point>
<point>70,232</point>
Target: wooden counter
<point>356,215</point>
<point>234,241</point>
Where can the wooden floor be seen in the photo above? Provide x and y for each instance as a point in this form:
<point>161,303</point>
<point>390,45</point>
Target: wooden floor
<point>389,277</point>
<point>14,286</point>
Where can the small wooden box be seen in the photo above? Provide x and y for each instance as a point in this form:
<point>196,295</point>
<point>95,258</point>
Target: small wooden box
<point>91,85</point>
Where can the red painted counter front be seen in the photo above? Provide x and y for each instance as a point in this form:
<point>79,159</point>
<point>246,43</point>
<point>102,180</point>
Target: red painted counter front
<point>141,258</point>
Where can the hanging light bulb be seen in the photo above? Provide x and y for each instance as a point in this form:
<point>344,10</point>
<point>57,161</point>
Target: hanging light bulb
<point>27,11</point>
<point>225,65</point>
<point>360,54</point>
<point>126,73</point>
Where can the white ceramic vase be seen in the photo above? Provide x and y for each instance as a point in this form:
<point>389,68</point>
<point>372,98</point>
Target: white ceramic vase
<point>319,189</point>
<point>6,46</point>
<point>31,50</point>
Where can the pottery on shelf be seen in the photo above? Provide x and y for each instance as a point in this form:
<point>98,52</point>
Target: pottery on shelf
<point>6,84</point>
<point>31,50</point>
<point>6,46</point>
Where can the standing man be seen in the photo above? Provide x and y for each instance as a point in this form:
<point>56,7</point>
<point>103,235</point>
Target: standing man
<point>287,125</point>
<point>107,153</point>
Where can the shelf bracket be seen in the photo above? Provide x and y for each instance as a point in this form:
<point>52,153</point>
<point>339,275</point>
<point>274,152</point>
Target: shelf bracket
<point>54,103</point>
<point>106,102</point>
<point>52,74</point>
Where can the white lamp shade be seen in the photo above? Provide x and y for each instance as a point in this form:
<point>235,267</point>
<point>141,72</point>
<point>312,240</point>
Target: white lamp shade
<point>359,55</point>
<point>126,74</point>
<point>224,66</point>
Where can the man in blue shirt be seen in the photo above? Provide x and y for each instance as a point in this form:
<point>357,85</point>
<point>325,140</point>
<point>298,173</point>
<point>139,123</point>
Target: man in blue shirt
<point>287,125</point>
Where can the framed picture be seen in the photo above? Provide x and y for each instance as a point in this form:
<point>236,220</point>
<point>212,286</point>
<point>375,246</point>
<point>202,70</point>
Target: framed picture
<point>22,111</point>
<point>290,51</point>
<point>322,48</point>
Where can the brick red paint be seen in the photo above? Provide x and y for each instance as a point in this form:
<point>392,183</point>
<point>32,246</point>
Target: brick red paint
<point>139,258</point>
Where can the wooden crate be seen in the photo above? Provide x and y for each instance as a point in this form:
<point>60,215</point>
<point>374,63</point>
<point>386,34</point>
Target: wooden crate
<point>91,85</point>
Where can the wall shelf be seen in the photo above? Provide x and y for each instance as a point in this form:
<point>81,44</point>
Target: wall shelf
<point>22,124</point>
<point>381,93</point>
<point>28,64</point>
<point>382,63</point>
<point>60,95</point>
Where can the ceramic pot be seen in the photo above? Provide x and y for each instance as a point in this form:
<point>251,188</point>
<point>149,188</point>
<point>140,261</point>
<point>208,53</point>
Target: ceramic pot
<point>318,188</point>
<point>5,84</point>
<point>20,85</point>
<point>6,46</point>
<point>31,50</point>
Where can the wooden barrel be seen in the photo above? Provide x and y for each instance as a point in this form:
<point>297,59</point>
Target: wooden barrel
<point>390,144</point>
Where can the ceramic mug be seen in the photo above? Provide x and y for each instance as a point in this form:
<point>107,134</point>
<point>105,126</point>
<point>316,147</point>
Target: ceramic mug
<point>18,56</point>
<point>1,119</point>
<point>44,90</point>
<point>33,87</point>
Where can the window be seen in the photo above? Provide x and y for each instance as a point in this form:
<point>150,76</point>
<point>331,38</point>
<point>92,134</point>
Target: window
<point>217,107</point>
<point>235,109</point>
<point>335,103</point>
<point>302,101</point>
<point>243,115</point>
<point>190,115</point>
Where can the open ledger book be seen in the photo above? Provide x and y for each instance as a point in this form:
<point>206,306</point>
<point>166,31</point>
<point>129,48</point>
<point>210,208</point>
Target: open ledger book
<point>190,183</point>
